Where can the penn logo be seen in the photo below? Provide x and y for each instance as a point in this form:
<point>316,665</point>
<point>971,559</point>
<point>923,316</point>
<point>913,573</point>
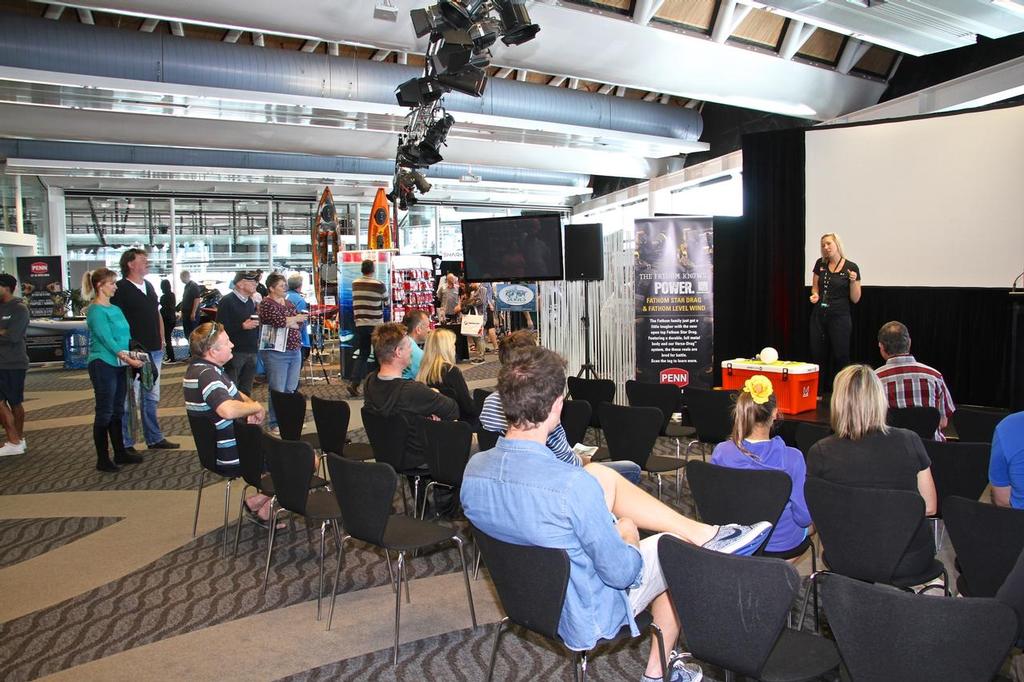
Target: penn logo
<point>39,268</point>
<point>675,375</point>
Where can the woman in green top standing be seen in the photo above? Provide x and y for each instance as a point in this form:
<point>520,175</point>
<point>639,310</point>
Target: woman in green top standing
<point>108,355</point>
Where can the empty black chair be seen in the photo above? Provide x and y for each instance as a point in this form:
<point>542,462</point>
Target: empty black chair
<point>388,437</point>
<point>290,409</point>
<point>485,439</point>
<point>531,583</point>
<point>711,414</point>
<point>809,433</point>
<point>666,397</point>
<point>595,392</point>
<point>987,539</point>
<point>204,433</point>
<point>364,492</point>
<point>249,438</point>
<point>864,532</point>
<point>291,465</point>
<point>479,396</point>
<point>332,418</point>
<point>959,469</point>
<point>631,433</point>
<point>923,421</point>
<point>733,610</point>
<point>976,424</point>
<point>446,447</point>
<point>885,634</point>
<point>1011,593</point>
<point>575,418</point>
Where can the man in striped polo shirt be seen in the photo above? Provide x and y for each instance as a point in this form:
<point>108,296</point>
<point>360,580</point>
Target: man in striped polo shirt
<point>368,310</point>
<point>907,382</point>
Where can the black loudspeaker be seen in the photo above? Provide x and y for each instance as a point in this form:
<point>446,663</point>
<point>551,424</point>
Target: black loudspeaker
<point>584,252</point>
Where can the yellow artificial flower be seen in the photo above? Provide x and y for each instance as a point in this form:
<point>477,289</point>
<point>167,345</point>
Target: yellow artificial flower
<point>759,387</point>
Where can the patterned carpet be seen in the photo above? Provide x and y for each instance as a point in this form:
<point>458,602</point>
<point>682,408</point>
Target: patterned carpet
<point>23,539</point>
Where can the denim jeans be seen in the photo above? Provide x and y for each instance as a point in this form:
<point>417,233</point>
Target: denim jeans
<point>364,343</point>
<point>109,383</point>
<point>628,470</point>
<point>242,368</point>
<point>282,374</point>
<point>149,400</point>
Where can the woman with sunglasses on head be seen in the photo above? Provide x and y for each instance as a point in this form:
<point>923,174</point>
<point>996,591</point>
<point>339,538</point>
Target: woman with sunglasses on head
<point>835,288</point>
<point>283,366</point>
<point>109,336</point>
<point>751,446</point>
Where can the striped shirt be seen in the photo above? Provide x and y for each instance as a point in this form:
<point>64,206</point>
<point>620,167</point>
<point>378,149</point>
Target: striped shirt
<point>908,383</point>
<point>492,418</point>
<point>206,387</point>
<point>368,296</point>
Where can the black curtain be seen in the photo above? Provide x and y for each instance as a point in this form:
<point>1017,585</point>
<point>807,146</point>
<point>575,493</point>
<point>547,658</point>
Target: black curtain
<point>761,299</point>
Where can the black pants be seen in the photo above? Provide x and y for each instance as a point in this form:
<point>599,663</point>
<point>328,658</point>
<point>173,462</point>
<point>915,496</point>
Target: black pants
<point>830,344</point>
<point>242,369</point>
<point>364,336</point>
<point>168,331</point>
<point>110,385</point>
<point>187,326</point>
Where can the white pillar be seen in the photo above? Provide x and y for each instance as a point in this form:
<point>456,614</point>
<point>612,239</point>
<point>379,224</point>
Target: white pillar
<point>270,236</point>
<point>172,231</point>
<point>58,227</point>
<point>19,217</point>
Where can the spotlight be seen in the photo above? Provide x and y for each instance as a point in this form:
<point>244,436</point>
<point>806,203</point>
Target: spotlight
<point>418,91</point>
<point>428,20</point>
<point>422,186</point>
<point>428,151</point>
<point>515,22</point>
<point>460,13</point>
<point>471,81</point>
<point>483,34</point>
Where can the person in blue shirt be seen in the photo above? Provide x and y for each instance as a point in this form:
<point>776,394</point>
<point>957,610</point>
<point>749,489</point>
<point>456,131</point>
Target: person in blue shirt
<point>518,492</point>
<point>417,324</point>
<point>751,447</point>
<point>299,301</point>
<point>1006,467</point>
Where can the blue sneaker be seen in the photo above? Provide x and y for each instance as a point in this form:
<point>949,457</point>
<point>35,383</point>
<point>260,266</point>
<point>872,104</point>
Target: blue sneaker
<point>682,670</point>
<point>736,539</point>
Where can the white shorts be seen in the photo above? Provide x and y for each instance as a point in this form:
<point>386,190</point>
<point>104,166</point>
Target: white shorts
<point>652,580</point>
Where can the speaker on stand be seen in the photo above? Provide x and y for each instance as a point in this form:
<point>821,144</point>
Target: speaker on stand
<point>584,262</point>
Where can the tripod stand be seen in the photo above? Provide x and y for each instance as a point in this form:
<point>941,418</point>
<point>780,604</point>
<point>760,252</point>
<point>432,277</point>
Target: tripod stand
<point>587,369</point>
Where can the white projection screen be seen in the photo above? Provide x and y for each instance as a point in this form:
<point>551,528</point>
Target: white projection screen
<point>931,202</point>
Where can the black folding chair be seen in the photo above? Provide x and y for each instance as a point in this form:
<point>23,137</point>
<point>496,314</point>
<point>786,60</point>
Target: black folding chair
<point>711,413</point>
<point>575,418</point>
<point>291,465</point>
<point>808,433</point>
<point>666,397</point>
<point>204,433</point>
<point>531,583</point>
<point>733,610</point>
<point>290,409</point>
<point>595,392</point>
<point>364,492</point>
<point>446,447</point>
<point>389,437</point>
<point>923,421</point>
<point>976,424</point>
<point>631,433</point>
<point>332,418</point>
<point>1011,593</point>
<point>479,396</point>
<point>885,634</point>
<point>959,469</point>
<point>987,539</point>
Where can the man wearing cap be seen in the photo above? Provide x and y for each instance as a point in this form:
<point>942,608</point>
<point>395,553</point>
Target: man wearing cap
<point>13,366</point>
<point>237,313</point>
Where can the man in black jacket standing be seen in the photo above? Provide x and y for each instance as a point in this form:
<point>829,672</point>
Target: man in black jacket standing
<point>13,366</point>
<point>138,301</point>
<point>237,313</point>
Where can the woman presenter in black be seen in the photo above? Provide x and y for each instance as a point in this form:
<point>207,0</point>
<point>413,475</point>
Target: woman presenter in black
<point>834,289</point>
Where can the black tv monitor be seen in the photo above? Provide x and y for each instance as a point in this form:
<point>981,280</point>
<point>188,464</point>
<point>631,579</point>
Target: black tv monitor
<point>526,248</point>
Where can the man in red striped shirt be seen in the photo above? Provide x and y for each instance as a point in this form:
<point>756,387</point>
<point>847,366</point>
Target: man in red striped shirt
<point>907,382</point>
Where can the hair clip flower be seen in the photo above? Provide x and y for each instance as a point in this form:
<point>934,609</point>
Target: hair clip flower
<point>759,387</point>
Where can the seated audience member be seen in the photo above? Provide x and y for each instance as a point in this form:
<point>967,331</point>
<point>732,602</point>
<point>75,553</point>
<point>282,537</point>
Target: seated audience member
<point>438,370</point>
<point>492,416</point>
<point>519,493</point>
<point>865,453</point>
<point>751,447</point>
<point>210,393</point>
<point>1006,468</point>
<point>417,324</point>
<point>907,382</point>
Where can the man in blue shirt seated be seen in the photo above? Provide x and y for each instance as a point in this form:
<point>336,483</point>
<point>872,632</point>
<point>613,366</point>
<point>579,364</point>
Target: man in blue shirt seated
<point>492,416</point>
<point>1006,467</point>
<point>519,492</point>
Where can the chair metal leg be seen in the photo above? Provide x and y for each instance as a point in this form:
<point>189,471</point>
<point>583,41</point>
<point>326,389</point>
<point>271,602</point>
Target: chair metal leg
<point>814,569</point>
<point>658,477</point>
<point>476,569</point>
<point>404,573</point>
<point>238,525</point>
<point>270,541</point>
<point>199,497</point>
<point>465,577</point>
<point>426,496</point>
<point>811,585</point>
<point>337,577</point>
<point>224,527</point>
<point>937,533</point>
<point>391,572</point>
<point>494,649</point>
<point>575,668</point>
<point>662,653</point>
<point>583,666</point>
<point>320,587</point>
<point>416,495</point>
<point>398,604</point>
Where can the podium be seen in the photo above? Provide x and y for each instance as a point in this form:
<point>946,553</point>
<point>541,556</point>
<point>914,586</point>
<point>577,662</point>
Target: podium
<point>1016,351</point>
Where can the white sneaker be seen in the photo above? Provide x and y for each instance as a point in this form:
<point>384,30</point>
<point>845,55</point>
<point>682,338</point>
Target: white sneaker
<point>12,449</point>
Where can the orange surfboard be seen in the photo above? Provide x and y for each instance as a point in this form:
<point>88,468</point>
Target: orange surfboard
<point>379,232</point>
<point>325,236</point>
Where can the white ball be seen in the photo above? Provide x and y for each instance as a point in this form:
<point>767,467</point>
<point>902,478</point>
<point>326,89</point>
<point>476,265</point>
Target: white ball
<point>769,355</point>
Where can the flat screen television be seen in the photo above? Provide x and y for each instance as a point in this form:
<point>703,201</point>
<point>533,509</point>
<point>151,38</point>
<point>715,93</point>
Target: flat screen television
<point>527,248</point>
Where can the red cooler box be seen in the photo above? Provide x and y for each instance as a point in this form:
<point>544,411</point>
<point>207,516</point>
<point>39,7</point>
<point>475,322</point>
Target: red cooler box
<point>795,383</point>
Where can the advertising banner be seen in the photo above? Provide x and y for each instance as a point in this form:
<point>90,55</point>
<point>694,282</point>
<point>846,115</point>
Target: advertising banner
<point>673,300</point>
<point>42,282</point>
<point>516,297</point>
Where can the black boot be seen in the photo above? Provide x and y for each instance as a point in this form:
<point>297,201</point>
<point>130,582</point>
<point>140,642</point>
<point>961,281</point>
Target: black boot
<point>99,437</point>
<point>121,456</point>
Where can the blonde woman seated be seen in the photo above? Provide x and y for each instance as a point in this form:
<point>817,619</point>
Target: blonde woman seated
<point>438,370</point>
<point>752,447</point>
<point>866,453</point>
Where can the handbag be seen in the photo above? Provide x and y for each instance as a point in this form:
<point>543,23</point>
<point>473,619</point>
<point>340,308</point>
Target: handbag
<point>472,324</point>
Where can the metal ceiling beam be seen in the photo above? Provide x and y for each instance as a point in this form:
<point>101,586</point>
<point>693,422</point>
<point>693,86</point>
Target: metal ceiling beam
<point>644,11</point>
<point>521,75</point>
<point>665,99</point>
<point>650,96</point>
<point>232,36</point>
<point>797,33</point>
<point>177,29</point>
<point>605,89</point>
<point>402,58</point>
<point>730,15</point>
<point>381,55</point>
<point>149,24</point>
<point>333,49</point>
<point>574,83</point>
<point>852,52</point>
<point>54,12</point>
<point>310,45</point>
<point>620,91</point>
<point>85,16</point>
<point>503,72</point>
<point>557,81</point>
<point>257,39</point>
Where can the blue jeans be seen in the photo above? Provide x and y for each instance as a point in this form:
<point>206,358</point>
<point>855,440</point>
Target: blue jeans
<point>282,374</point>
<point>364,344</point>
<point>110,386</point>
<point>628,470</point>
<point>150,400</point>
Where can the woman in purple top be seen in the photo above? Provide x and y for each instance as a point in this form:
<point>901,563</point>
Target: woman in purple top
<point>752,447</point>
